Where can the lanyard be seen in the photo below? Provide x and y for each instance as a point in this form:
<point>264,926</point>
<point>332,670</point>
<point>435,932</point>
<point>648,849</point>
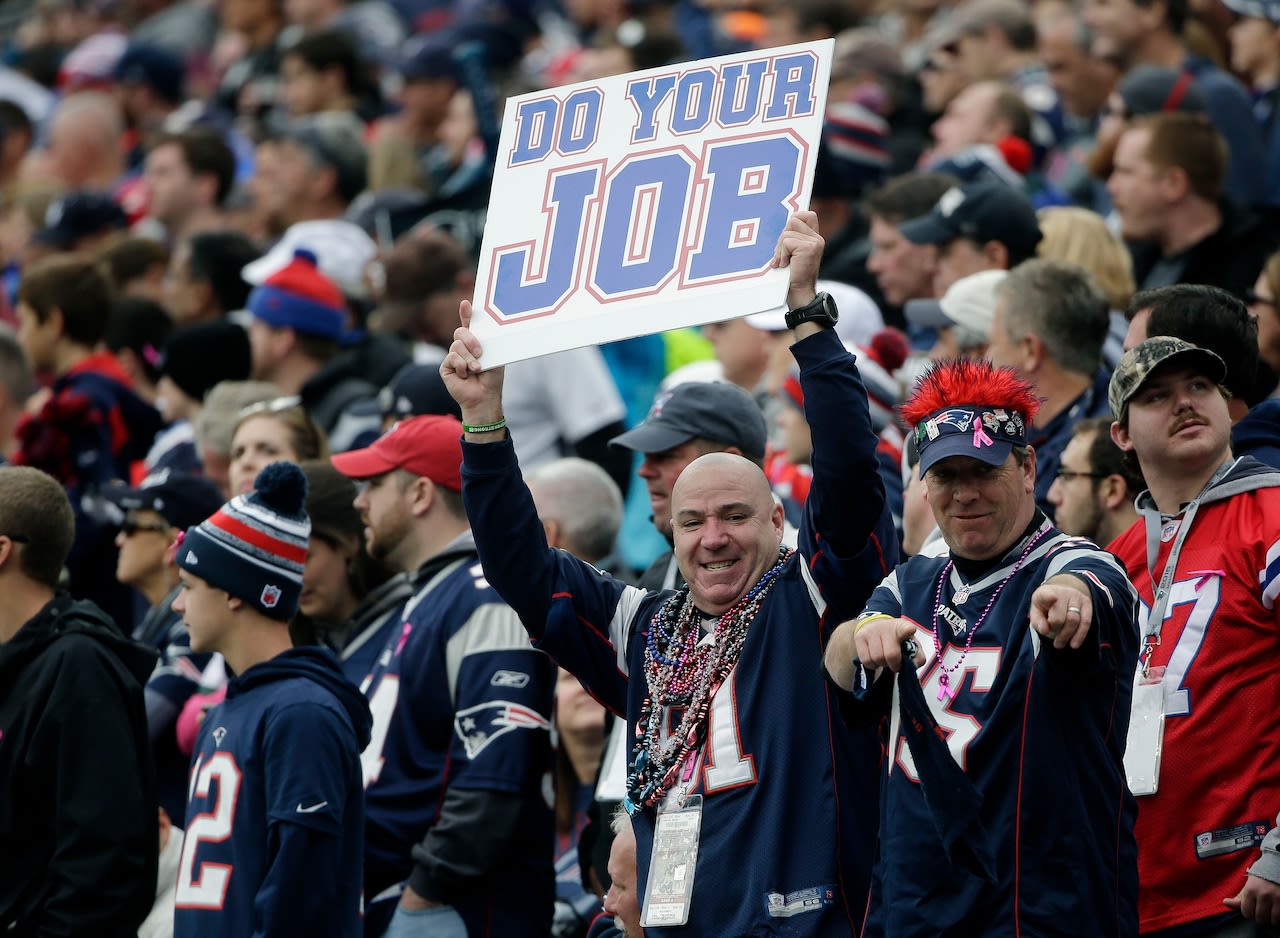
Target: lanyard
<point>1154,524</point>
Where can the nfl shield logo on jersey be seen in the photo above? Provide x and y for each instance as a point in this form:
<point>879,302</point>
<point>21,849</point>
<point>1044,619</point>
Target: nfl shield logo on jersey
<point>270,596</point>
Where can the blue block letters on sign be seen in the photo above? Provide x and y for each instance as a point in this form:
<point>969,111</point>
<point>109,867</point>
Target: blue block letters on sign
<point>644,203</point>
<point>753,182</point>
<point>516,294</point>
<point>739,191</point>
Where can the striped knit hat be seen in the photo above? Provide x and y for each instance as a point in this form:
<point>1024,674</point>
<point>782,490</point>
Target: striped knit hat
<point>299,297</point>
<point>255,546</point>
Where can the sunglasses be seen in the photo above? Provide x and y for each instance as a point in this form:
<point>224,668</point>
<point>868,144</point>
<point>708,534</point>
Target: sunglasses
<point>17,538</point>
<point>1252,299</point>
<point>131,526</point>
<point>274,406</point>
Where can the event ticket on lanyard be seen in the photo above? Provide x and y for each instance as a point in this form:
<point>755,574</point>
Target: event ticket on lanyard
<point>1146,732</point>
<point>675,857</point>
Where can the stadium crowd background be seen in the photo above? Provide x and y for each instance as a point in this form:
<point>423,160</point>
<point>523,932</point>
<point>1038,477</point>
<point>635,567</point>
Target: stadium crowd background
<point>236,232</point>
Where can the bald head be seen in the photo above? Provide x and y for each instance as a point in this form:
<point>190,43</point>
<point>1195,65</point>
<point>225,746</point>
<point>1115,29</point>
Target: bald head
<point>84,140</point>
<point>723,467</point>
<point>726,527</point>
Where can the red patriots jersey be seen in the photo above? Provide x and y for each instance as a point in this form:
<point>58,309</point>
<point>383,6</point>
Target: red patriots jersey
<point>1219,784</point>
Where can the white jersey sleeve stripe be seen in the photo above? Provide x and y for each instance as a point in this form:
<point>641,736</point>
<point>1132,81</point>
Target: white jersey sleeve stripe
<point>1269,579</point>
<point>620,625</point>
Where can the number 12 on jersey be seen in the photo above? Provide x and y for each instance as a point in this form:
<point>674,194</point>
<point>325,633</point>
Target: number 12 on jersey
<point>204,885</point>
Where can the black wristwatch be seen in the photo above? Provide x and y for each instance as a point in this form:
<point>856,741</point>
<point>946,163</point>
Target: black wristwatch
<point>821,309</point>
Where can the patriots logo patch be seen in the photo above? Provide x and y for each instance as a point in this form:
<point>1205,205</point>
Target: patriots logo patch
<point>480,725</point>
<point>658,403</point>
<point>956,417</point>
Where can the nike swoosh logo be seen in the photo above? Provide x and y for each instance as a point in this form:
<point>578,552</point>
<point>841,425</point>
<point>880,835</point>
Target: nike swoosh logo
<point>311,810</point>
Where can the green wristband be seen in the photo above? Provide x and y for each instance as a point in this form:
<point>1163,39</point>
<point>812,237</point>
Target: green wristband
<point>485,427</point>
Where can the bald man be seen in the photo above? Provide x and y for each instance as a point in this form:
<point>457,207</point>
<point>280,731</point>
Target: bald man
<point>738,731</point>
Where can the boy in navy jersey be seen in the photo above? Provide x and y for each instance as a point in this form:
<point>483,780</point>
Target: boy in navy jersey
<point>275,821</point>
<point>1021,822</point>
<point>719,682</point>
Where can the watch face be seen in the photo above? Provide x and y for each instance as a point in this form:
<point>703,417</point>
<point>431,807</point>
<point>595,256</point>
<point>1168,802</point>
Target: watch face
<point>829,308</point>
<point>822,309</point>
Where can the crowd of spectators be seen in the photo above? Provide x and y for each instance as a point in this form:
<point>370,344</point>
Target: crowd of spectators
<point>239,232</point>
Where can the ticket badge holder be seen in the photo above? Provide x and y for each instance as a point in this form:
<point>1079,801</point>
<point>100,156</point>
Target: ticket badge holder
<point>1146,733</point>
<point>675,857</point>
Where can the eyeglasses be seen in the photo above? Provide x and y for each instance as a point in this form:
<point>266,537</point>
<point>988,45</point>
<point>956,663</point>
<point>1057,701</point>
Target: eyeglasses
<point>1252,299</point>
<point>17,538</point>
<point>131,526</point>
<point>274,406</point>
<point>1066,475</point>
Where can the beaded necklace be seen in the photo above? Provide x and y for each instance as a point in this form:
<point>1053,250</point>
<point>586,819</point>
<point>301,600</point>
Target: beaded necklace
<point>945,690</point>
<point>682,670</point>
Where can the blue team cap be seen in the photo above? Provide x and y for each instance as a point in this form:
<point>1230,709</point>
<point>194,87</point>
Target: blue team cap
<point>985,433</point>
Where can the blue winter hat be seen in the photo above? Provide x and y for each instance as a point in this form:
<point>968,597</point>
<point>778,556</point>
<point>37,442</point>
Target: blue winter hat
<point>299,297</point>
<point>255,546</point>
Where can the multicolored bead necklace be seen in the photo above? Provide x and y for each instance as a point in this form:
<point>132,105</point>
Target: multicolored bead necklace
<point>683,671</point>
<point>945,690</point>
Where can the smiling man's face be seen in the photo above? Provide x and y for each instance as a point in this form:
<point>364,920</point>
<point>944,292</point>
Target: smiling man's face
<point>727,529</point>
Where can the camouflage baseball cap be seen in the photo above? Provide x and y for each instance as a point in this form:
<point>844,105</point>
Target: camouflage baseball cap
<point>1142,360</point>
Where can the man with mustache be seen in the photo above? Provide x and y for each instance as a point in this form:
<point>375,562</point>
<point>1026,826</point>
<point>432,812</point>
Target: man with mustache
<point>1205,559</point>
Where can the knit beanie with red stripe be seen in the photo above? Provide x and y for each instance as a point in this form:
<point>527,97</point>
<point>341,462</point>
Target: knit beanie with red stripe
<point>255,545</point>
<point>299,297</point>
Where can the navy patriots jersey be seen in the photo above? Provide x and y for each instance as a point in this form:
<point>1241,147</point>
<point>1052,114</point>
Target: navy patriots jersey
<point>789,793</point>
<point>461,700</point>
<point>1039,732</point>
<point>275,821</point>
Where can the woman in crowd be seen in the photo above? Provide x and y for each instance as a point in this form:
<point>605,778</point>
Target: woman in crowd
<point>270,431</point>
<point>350,602</point>
<point>1081,237</point>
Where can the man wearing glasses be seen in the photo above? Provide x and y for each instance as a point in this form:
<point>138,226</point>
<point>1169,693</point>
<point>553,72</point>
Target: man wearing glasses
<point>1092,495</point>
<point>77,798</point>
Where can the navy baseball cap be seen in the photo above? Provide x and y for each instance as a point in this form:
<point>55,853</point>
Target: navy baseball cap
<point>153,66</point>
<point>716,411</point>
<point>983,211</point>
<point>415,390</point>
<point>80,215</point>
<point>182,499</point>
<point>982,432</point>
<point>429,60</point>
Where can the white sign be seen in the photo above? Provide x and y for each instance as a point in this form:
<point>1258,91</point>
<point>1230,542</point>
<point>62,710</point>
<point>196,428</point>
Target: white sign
<point>647,201</point>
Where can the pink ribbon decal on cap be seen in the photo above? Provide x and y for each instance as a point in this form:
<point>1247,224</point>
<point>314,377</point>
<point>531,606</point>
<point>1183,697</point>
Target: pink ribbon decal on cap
<point>980,438</point>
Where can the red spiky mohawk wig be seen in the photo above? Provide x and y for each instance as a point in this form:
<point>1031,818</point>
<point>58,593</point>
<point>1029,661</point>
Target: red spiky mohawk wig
<point>974,383</point>
<point>969,408</point>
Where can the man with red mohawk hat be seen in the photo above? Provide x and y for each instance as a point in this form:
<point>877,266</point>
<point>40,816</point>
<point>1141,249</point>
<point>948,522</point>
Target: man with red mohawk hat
<point>1005,809</point>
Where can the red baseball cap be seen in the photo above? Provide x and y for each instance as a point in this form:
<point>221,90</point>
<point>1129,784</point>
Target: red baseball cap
<point>428,445</point>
